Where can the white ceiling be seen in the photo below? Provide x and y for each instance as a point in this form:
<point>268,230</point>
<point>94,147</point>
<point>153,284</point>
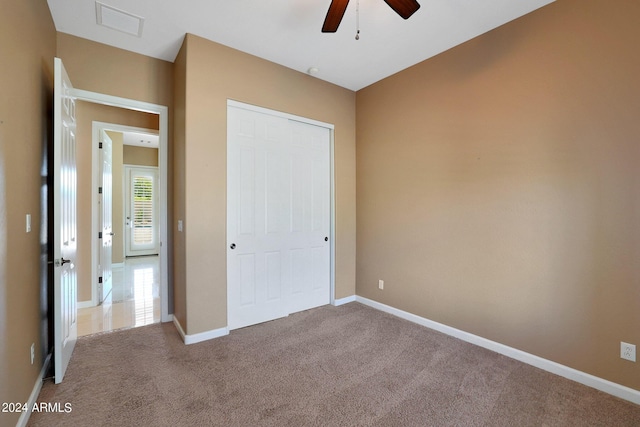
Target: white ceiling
<point>139,139</point>
<point>287,32</point>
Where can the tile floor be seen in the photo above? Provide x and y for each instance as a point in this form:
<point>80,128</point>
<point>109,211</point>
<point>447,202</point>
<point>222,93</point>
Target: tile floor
<point>133,301</point>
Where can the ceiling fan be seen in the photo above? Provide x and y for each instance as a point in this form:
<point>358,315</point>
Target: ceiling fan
<point>404,8</point>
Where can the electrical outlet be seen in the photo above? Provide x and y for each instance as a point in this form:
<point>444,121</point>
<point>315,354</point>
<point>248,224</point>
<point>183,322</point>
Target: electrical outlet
<point>627,351</point>
<point>380,284</point>
<point>33,352</point>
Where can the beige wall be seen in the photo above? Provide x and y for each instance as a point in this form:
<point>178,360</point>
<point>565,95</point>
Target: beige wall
<point>112,71</point>
<point>212,74</point>
<point>498,186</point>
<point>86,114</point>
<point>27,48</point>
<point>140,156</point>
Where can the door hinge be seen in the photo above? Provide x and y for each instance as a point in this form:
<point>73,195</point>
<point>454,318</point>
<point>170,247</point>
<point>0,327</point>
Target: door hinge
<point>99,234</point>
<point>99,144</point>
<point>99,190</point>
<point>100,279</point>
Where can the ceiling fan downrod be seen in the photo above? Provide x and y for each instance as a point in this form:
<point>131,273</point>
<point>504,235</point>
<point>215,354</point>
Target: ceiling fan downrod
<point>357,19</point>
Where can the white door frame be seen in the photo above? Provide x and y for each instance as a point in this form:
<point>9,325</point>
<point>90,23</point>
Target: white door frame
<point>332,228</point>
<point>163,113</point>
<point>96,127</point>
<point>105,202</point>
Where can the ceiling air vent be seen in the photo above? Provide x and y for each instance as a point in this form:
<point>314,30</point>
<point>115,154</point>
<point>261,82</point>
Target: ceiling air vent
<point>117,19</point>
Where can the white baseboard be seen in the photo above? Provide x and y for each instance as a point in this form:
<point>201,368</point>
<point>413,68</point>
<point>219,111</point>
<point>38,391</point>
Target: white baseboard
<point>202,336</point>
<point>33,398</point>
<point>342,301</point>
<point>601,384</point>
<point>86,304</point>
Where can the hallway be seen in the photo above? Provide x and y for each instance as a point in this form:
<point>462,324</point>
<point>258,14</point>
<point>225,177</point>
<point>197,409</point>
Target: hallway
<point>134,300</point>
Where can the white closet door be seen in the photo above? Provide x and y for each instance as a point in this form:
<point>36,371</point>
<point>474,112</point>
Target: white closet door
<point>278,216</point>
<point>258,279</point>
<point>310,216</point>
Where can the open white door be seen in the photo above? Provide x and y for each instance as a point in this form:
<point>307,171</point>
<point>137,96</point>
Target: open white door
<point>64,221</point>
<point>105,200</point>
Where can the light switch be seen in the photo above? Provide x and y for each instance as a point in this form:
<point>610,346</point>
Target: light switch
<point>179,225</point>
<point>28,223</point>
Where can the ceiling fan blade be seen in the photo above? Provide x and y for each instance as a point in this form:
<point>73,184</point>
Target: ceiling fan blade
<point>404,8</point>
<point>334,16</point>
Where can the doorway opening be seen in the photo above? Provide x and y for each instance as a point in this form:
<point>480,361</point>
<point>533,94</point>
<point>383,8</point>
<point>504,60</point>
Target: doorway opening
<point>63,232</point>
<point>125,292</point>
<point>161,136</point>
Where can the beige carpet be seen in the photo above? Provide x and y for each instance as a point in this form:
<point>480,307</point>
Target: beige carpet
<point>331,366</point>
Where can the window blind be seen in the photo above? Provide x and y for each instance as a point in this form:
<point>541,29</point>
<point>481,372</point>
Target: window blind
<point>142,210</point>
